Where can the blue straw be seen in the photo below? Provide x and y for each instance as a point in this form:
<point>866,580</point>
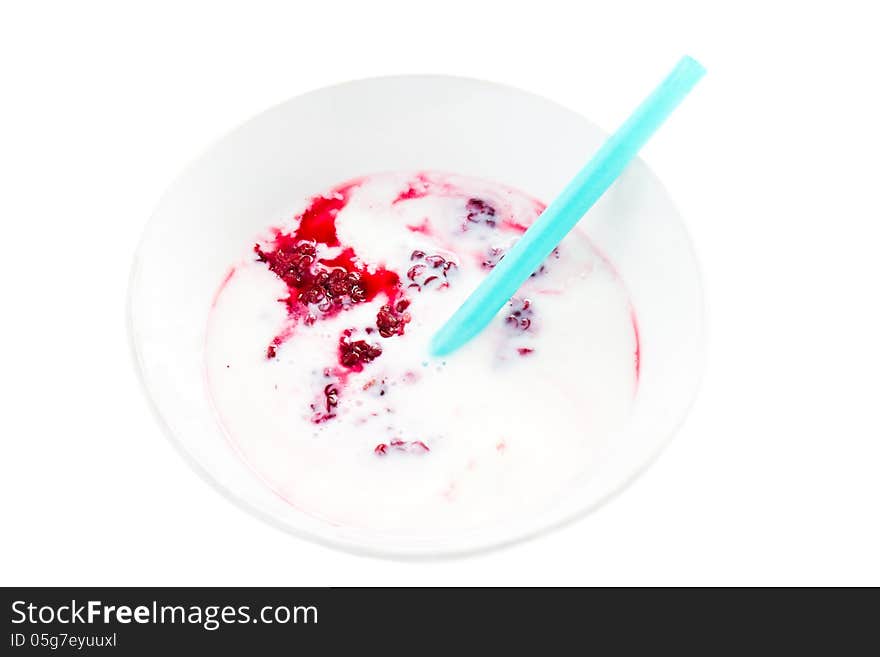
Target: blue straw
<point>569,207</point>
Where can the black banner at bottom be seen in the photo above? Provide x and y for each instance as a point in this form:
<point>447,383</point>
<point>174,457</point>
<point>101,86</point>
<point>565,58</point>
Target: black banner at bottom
<point>145,621</point>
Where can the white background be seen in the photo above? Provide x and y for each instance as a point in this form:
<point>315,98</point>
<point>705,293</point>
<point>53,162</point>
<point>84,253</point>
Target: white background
<point>775,477</point>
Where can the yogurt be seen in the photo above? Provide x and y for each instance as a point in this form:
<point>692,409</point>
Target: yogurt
<point>317,358</point>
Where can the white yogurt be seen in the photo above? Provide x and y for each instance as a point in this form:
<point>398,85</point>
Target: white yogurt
<point>417,444</point>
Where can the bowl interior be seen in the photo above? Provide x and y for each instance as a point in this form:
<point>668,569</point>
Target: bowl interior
<point>256,174</point>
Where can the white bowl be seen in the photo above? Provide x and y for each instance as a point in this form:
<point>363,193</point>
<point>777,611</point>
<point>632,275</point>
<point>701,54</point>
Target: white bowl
<point>251,178</point>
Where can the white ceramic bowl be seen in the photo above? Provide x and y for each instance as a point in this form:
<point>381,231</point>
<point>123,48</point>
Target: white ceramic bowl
<point>250,178</point>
